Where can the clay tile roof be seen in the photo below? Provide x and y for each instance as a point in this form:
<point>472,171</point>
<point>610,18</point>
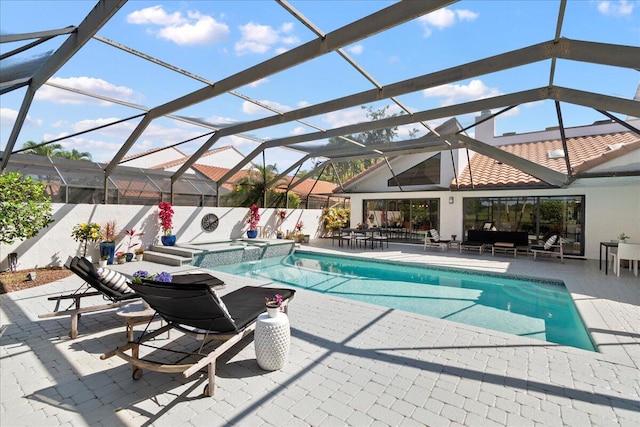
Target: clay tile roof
<point>215,173</point>
<point>585,152</point>
<point>310,185</point>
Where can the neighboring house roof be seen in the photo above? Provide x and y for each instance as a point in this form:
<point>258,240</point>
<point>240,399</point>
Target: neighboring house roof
<point>215,173</point>
<point>585,152</point>
<point>311,186</point>
<point>177,162</point>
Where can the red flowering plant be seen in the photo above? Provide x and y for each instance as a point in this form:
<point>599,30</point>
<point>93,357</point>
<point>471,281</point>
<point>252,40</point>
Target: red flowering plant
<point>254,217</point>
<point>165,212</point>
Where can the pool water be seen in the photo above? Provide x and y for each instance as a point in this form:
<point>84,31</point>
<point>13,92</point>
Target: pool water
<point>536,309</point>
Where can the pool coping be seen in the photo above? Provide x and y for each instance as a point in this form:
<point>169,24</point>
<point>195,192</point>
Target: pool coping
<point>597,313</point>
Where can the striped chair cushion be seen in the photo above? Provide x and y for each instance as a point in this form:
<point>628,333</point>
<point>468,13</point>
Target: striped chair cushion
<point>113,280</point>
<point>550,242</point>
<point>435,236</point>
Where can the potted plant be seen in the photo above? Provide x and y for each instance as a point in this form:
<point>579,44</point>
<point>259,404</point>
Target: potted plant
<point>121,257</point>
<point>139,254</point>
<point>104,259</point>
<point>273,305</point>
<point>130,245</point>
<point>254,218</point>
<point>623,238</point>
<point>108,245</point>
<point>299,236</point>
<point>281,215</point>
<point>165,213</point>
<point>86,232</point>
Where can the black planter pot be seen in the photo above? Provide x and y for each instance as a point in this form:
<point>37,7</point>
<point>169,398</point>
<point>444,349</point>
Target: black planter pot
<point>107,248</point>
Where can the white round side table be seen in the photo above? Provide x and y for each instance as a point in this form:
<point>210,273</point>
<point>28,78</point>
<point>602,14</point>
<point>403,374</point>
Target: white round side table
<point>272,341</point>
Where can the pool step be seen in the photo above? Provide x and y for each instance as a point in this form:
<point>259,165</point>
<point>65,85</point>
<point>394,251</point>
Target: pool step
<point>170,255</point>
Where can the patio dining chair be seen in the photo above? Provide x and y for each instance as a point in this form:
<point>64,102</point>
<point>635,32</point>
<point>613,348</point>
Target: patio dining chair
<point>626,251</point>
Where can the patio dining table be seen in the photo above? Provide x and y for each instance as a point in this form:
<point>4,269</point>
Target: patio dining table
<point>363,231</point>
<point>606,245</point>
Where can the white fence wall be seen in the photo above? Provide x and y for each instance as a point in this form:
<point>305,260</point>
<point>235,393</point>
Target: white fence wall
<point>54,244</point>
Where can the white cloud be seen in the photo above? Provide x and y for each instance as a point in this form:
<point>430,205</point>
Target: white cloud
<point>155,15</point>
<point>302,104</point>
<point>298,130</point>
<point>345,117</point>
<point>251,108</point>
<point>8,118</point>
<point>452,93</point>
<point>356,49</point>
<point>86,84</point>
<point>620,8</point>
<point>444,18</point>
<point>194,29</point>
<point>258,38</point>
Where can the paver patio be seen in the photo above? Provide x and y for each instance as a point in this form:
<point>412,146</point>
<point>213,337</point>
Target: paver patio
<point>350,363</point>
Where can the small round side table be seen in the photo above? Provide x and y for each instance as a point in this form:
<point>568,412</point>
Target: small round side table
<point>136,313</point>
<point>272,339</point>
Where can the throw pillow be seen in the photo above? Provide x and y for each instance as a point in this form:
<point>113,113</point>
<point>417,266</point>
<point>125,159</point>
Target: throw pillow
<point>113,280</point>
<point>550,242</point>
<point>435,236</point>
<point>221,303</point>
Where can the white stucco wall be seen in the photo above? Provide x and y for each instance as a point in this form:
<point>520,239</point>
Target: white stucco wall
<point>54,244</point>
<point>612,206</point>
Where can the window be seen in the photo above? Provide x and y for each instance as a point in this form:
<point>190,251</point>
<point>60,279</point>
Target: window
<point>536,215</point>
<point>424,173</point>
<point>409,219</point>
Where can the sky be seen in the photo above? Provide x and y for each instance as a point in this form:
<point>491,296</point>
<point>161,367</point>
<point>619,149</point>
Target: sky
<point>217,39</point>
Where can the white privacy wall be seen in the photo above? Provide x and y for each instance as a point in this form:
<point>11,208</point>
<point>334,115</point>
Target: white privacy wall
<point>54,244</point>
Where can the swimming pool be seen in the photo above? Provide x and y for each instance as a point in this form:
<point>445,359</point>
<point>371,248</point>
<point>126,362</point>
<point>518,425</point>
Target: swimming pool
<point>536,309</point>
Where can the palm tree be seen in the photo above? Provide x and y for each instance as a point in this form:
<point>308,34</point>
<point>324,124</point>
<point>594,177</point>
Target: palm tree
<point>49,150</point>
<point>75,155</point>
<point>252,188</point>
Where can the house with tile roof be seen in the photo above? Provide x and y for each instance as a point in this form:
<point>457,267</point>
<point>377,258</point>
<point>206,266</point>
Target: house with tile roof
<point>213,165</point>
<point>583,183</point>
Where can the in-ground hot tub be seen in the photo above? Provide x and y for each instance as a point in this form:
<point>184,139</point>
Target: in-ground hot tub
<point>235,251</point>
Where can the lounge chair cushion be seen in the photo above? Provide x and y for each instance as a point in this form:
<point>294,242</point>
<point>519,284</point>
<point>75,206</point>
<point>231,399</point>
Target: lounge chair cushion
<point>113,280</point>
<point>550,242</point>
<point>85,266</point>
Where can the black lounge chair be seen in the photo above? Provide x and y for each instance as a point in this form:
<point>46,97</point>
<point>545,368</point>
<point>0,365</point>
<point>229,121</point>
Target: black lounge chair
<point>551,244</point>
<point>94,285</point>
<point>198,312</point>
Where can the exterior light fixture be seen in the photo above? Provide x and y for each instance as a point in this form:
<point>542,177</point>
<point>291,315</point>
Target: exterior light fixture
<point>451,200</point>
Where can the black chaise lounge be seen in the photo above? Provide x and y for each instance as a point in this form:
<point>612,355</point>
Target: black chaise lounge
<point>112,286</point>
<point>198,312</point>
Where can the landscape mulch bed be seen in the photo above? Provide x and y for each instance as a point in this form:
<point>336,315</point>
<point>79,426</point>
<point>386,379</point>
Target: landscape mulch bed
<point>17,280</point>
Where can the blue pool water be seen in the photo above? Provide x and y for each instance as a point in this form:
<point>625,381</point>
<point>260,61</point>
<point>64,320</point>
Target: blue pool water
<point>537,309</point>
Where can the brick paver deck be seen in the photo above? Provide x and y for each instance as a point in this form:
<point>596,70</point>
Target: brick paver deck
<point>350,363</point>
